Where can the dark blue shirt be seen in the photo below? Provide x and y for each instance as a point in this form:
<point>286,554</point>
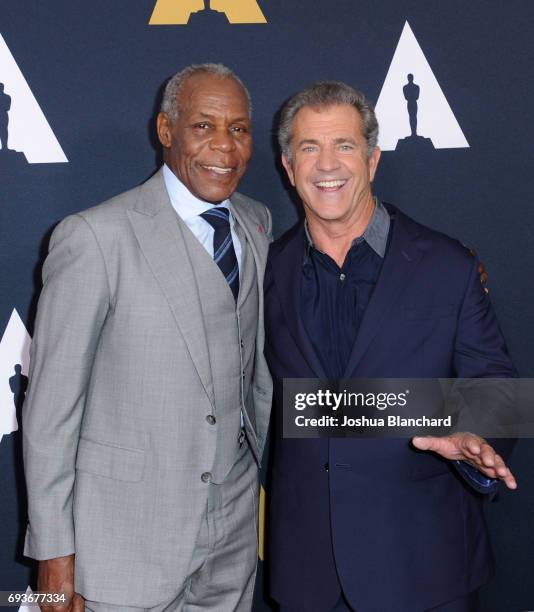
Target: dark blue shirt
<point>334,299</point>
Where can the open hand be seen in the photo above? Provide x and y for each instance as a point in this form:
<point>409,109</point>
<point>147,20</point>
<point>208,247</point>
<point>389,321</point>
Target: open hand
<point>469,447</point>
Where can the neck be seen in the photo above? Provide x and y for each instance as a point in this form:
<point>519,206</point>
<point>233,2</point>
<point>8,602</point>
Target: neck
<point>335,237</point>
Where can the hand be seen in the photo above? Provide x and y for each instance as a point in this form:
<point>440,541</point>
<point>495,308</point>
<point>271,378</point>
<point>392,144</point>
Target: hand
<point>482,272</point>
<point>57,576</point>
<point>483,276</point>
<point>471,448</point>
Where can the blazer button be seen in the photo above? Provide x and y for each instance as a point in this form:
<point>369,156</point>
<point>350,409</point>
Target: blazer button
<point>211,419</point>
<point>206,477</point>
<point>326,467</point>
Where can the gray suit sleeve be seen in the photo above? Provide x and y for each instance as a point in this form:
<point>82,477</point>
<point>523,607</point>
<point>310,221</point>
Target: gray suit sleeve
<point>72,308</point>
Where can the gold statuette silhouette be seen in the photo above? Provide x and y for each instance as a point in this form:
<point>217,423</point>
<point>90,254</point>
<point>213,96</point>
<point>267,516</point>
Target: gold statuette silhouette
<point>178,12</point>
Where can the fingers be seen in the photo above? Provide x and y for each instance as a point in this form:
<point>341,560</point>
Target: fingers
<point>483,457</point>
<point>423,442</point>
<point>456,446</point>
<point>492,465</point>
<point>503,472</point>
<point>482,273</point>
<point>472,445</point>
<point>477,450</point>
<point>78,603</point>
<point>471,448</point>
<point>446,446</point>
<point>483,277</point>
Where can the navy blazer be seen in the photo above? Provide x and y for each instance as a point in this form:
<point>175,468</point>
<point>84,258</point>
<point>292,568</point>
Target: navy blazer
<point>407,533</point>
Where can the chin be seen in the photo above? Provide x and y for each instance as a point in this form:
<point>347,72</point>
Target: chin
<point>215,196</point>
<point>328,215</point>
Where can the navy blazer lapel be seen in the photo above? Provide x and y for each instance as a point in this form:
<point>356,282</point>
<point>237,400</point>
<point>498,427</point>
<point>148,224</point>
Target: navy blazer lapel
<point>398,268</point>
<point>158,230</point>
<point>287,274</point>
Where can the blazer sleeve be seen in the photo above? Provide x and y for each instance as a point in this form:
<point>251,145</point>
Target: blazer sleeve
<point>480,351</point>
<point>72,308</point>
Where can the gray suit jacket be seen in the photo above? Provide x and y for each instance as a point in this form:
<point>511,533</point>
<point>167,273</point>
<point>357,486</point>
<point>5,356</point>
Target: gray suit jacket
<point>114,423</point>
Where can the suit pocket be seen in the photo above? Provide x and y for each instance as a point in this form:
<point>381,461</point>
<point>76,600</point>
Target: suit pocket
<point>109,461</point>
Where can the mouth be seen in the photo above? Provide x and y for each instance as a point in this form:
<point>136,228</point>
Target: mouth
<point>331,185</point>
<point>220,170</point>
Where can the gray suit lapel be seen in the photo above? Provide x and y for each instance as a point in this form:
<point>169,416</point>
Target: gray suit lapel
<point>258,245</point>
<point>159,232</point>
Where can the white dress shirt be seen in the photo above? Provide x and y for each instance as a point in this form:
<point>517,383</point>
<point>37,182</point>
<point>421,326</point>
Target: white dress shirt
<point>189,208</point>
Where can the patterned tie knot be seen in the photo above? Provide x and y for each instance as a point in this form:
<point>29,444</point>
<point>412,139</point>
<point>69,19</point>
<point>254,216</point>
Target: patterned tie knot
<point>218,218</point>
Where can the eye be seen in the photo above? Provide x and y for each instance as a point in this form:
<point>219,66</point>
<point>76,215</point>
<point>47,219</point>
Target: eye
<point>202,125</point>
<point>346,147</point>
<point>309,149</point>
<point>239,129</point>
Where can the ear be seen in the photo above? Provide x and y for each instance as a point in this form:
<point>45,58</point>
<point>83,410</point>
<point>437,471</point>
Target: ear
<point>287,165</point>
<point>163,124</point>
<point>373,163</point>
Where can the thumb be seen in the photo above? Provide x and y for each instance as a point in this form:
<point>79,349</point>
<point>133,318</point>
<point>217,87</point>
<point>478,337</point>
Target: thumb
<point>78,603</point>
<point>425,442</point>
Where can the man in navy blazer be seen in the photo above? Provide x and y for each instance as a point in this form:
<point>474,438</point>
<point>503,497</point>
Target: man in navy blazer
<point>361,290</point>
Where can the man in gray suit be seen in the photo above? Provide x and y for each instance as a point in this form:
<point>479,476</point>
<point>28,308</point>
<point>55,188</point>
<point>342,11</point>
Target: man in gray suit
<point>149,395</point>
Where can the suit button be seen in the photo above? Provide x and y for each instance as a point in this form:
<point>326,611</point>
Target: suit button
<point>241,344</point>
<point>206,477</point>
<point>243,374</point>
<point>326,467</point>
<point>211,419</point>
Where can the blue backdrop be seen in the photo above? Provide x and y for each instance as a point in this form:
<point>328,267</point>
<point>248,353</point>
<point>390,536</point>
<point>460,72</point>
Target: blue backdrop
<point>82,80</point>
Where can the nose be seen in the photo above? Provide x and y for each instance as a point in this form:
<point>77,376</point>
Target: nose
<point>223,140</point>
<point>327,159</point>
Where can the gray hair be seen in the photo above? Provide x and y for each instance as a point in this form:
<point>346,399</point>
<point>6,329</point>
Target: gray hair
<point>324,94</point>
<point>169,102</point>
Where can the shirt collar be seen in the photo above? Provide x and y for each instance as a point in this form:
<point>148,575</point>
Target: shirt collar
<point>376,233</point>
<point>183,201</point>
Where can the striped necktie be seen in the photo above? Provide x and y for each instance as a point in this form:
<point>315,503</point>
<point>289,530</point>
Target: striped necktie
<point>223,247</point>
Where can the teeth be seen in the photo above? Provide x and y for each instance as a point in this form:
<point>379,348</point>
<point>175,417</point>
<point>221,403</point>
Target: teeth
<point>218,170</point>
<point>329,184</point>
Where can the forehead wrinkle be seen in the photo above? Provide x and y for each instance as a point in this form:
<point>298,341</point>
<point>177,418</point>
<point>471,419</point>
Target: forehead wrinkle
<point>334,119</point>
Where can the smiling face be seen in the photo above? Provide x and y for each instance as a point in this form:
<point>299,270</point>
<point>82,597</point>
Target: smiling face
<point>330,166</point>
<point>209,145</point>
